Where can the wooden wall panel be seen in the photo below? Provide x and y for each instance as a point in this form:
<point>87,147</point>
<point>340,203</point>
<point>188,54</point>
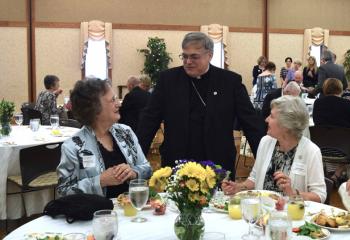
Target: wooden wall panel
<point>238,13</point>
<point>13,10</point>
<point>14,65</point>
<point>300,14</point>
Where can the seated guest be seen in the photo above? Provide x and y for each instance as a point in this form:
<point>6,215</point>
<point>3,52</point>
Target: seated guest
<point>134,102</point>
<point>266,82</point>
<point>292,89</point>
<point>46,102</point>
<point>103,155</point>
<point>286,161</point>
<point>258,69</point>
<point>145,83</point>
<point>332,109</point>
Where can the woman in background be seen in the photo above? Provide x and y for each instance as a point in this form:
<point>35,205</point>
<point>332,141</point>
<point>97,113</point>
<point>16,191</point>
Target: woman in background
<point>46,102</point>
<point>310,74</point>
<point>258,69</point>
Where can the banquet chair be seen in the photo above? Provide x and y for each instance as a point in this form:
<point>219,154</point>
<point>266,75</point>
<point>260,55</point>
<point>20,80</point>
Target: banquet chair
<point>245,153</point>
<point>329,188</point>
<point>70,123</point>
<point>38,170</point>
<point>334,143</point>
<point>29,113</point>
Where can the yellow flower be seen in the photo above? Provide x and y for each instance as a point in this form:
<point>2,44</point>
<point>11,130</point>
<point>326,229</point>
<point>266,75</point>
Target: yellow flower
<point>163,172</point>
<point>211,182</point>
<point>193,197</point>
<point>159,179</point>
<point>192,170</point>
<point>211,177</point>
<point>192,185</point>
<point>204,187</point>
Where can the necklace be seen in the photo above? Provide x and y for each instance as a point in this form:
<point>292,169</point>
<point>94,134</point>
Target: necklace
<point>198,94</point>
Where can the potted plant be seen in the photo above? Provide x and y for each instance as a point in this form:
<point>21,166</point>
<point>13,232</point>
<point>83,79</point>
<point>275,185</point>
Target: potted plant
<point>156,58</point>
<point>346,64</point>
<point>6,113</point>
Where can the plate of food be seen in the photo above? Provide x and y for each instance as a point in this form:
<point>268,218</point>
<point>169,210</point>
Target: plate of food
<point>123,197</point>
<point>44,236</point>
<point>312,231</point>
<point>219,202</point>
<point>339,221</point>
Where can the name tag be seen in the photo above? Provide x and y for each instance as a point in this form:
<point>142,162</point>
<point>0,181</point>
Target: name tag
<point>299,168</point>
<point>88,161</point>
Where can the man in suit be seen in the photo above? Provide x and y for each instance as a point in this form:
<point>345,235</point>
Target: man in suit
<point>134,102</point>
<point>198,104</point>
<point>329,70</point>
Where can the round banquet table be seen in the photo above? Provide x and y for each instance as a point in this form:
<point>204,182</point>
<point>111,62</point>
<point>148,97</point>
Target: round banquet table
<point>157,227</point>
<point>10,146</point>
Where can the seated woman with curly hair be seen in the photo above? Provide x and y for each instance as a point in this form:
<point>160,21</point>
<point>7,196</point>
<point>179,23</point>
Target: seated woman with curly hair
<point>103,155</point>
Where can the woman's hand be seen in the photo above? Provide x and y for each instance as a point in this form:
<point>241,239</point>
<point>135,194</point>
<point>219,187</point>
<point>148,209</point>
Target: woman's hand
<point>283,182</point>
<point>107,178</point>
<point>229,187</point>
<point>123,172</point>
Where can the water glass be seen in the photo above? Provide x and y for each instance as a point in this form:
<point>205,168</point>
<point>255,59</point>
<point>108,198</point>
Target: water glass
<point>54,120</point>
<point>34,124</point>
<point>250,204</point>
<point>279,226</point>
<point>19,119</point>
<point>105,225</point>
<point>138,193</point>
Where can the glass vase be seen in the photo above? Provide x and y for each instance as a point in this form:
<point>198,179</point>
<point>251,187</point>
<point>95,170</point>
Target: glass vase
<point>5,128</point>
<point>189,225</point>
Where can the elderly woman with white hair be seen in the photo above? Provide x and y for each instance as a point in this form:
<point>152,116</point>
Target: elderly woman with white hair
<point>286,161</point>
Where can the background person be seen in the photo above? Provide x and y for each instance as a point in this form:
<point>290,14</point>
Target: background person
<point>284,70</point>
<point>146,83</point>
<point>46,102</point>
<point>198,104</point>
<point>286,161</point>
<point>133,103</point>
<point>103,155</point>
<point>258,69</point>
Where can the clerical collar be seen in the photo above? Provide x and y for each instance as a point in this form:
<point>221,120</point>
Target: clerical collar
<point>201,76</point>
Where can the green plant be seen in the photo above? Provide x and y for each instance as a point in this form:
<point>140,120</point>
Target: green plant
<point>346,64</point>
<point>156,58</point>
<point>6,111</point>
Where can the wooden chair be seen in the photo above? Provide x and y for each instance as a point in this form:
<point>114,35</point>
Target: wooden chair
<point>334,143</point>
<point>38,170</point>
<point>29,113</point>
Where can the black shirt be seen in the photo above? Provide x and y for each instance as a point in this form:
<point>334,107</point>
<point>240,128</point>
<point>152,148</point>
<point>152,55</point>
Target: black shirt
<point>111,159</point>
<point>196,148</point>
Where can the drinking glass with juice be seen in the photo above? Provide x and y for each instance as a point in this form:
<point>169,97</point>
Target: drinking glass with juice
<point>234,208</point>
<point>129,210</point>
<point>296,207</point>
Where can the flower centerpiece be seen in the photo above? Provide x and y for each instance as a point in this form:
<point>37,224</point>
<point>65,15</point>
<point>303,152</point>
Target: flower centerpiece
<point>190,185</point>
<point>6,113</point>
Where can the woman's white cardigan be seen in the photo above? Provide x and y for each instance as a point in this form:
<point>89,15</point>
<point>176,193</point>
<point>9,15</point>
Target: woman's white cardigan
<point>306,172</point>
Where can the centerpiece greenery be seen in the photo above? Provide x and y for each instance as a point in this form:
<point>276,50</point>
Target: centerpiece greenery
<point>157,58</point>
<point>6,113</point>
<point>346,64</point>
<point>191,185</point>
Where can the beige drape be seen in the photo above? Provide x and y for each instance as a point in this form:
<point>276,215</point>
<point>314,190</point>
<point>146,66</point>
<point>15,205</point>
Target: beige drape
<point>315,36</point>
<point>218,33</point>
<point>95,30</point>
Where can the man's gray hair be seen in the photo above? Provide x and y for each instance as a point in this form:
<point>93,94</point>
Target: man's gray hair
<point>292,89</point>
<point>292,114</point>
<point>198,37</point>
<point>327,56</point>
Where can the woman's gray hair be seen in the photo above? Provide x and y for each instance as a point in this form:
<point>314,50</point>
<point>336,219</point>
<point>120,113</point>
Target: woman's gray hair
<point>292,114</point>
<point>198,37</point>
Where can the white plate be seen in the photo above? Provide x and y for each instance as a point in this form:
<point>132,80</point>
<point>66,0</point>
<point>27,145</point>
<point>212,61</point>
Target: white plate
<point>332,229</point>
<point>328,212</point>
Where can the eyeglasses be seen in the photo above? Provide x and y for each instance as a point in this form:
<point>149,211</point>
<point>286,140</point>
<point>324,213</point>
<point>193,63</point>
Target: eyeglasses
<point>192,57</point>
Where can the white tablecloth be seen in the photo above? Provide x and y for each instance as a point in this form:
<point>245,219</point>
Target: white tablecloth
<point>157,227</point>
<point>22,137</point>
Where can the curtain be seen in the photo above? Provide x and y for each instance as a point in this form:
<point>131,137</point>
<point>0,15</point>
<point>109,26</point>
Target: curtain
<point>219,34</point>
<point>95,30</point>
<point>315,36</point>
